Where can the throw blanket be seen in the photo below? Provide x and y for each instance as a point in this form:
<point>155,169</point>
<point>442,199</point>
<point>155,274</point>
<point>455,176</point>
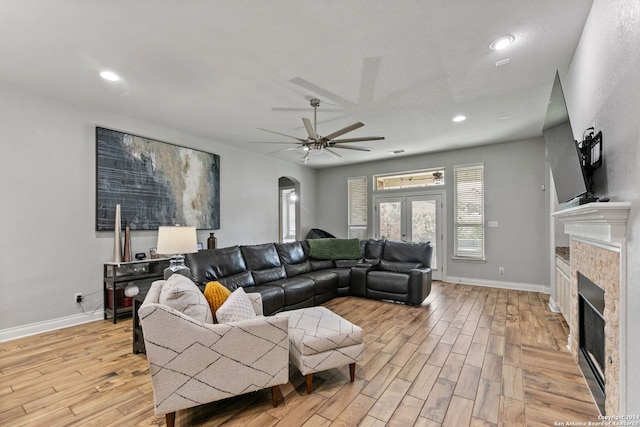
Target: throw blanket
<point>334,248</point>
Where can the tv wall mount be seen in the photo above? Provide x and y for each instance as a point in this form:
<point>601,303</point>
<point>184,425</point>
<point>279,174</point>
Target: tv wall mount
<point>590,149</point>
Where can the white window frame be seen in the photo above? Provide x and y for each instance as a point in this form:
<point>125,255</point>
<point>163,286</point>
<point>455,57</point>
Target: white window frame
<point>468,212</point>
<point>358,225</point>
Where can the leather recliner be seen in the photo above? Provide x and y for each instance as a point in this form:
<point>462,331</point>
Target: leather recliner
<point>403,273</point>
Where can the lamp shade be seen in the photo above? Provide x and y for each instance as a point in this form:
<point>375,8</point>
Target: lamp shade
<point>177,240</point>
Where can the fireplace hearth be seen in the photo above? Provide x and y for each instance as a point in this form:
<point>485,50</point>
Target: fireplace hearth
<point>592,337</point>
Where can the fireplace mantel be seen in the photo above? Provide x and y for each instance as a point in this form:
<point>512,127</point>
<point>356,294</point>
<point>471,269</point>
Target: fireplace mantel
<point>600,221</point>
<point>598,252</point>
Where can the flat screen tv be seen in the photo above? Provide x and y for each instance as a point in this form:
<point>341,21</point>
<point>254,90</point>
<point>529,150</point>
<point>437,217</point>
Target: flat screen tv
<point>569,175</point>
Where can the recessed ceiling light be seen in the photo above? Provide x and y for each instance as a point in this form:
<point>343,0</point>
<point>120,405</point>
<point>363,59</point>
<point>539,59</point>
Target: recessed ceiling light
<point>109,75</point>
<point>502,42</point>
<point>459,119</point>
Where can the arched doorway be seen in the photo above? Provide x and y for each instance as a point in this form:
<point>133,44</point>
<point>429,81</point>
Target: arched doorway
<point>289,209</point>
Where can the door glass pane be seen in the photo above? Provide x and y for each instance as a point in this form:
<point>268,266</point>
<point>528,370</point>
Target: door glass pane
<point>423,225</point>
<point>390,220</point>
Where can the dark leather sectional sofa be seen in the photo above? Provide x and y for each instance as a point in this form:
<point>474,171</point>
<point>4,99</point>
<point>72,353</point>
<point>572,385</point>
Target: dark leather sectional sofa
<point>288,278</point>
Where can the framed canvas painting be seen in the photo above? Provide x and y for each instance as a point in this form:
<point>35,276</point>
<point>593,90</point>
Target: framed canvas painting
<point>155,183</point>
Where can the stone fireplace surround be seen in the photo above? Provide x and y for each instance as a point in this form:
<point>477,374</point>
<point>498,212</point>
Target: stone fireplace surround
<point>598,251</point>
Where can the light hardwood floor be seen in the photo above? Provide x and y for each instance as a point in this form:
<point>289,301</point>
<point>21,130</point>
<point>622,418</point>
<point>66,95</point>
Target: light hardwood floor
<point>469,356</point>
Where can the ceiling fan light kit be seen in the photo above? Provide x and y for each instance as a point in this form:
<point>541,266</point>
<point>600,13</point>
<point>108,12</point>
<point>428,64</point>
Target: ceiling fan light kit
<point>323,144</point>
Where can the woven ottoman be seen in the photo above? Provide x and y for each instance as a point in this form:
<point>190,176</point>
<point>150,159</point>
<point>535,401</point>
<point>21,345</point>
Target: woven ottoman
<point>320,340</point>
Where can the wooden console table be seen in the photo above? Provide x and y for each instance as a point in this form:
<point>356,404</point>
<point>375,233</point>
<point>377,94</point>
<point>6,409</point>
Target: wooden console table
<point>117,275</point>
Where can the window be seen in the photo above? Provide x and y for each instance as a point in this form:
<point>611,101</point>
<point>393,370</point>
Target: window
<point>469,212</point>
<point>425,178</point>
<point>358,209</point>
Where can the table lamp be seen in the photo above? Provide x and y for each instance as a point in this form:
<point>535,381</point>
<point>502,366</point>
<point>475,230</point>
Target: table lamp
<point>176,241</point>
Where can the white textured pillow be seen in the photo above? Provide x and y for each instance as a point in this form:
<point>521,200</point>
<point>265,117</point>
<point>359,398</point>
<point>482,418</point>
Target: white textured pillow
<point>237,307</point>
<point>180,293</point>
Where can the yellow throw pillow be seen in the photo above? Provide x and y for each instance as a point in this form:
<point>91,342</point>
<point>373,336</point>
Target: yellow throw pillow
<point>216,294</point>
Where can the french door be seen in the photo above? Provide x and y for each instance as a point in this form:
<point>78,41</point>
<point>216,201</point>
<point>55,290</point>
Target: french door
<point>412,218</point>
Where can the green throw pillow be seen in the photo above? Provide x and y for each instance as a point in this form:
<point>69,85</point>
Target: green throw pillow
<point>334,248</point>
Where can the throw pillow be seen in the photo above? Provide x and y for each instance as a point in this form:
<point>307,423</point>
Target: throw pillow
<point>236,308</point>
<point>181,294</point>
<point>216,294</point>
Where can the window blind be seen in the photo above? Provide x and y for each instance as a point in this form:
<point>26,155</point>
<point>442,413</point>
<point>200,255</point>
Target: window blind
<point>469,211</point>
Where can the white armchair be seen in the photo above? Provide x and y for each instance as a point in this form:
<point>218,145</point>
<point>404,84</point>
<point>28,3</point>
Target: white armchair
<point>193,363</point>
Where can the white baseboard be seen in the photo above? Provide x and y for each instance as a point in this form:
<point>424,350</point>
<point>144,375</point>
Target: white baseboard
<point>518,286</point>
<point>49,325</point>
<point>553,306</point>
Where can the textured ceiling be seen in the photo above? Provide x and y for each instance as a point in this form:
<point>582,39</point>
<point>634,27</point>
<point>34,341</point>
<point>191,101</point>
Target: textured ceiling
<point>222,69</point>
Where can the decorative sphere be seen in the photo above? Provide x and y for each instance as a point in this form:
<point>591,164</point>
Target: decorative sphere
<point>131,290</point>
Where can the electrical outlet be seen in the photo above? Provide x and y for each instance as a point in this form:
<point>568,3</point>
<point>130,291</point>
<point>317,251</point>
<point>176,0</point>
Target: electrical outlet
<point>77,297</point>
<point>501,270</point>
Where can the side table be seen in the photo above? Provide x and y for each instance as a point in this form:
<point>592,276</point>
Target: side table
<point>138,337</point>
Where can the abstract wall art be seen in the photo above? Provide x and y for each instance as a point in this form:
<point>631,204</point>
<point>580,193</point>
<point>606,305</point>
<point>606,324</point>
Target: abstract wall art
<point>155,183</point>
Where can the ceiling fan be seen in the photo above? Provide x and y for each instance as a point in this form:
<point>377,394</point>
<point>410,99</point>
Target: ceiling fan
<point>323,144</point>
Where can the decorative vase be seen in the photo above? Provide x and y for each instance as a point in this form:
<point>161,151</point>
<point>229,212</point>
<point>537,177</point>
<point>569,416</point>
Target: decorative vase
<point>126,256</point>
<point>117,239</point>
<point>211,241</point>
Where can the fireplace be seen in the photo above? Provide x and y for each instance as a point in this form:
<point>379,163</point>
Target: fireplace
<point>597,338</point>
<point>592,337</point>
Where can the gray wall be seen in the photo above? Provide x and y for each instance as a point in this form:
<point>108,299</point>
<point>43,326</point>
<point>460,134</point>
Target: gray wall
<point>602,87</point>
<point>50,249</point>
<point>514,175</point>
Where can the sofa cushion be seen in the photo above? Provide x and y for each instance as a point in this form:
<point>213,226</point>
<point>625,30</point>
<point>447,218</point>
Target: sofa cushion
<point>216,294</point>
<point>244,280</point>
<point>407,252</point>
<point>324,280</point>
<point>334,248</point>
<point>399,267</point>
<point>212,264</point>
<point>181,294</point>
<point>373,249</point>
<point>236,308</point>
<point>260,257</point>
<point>272,298</point>
<point>347,263</point>
<point>387,282</point>
<point>296,290</point>
<point>293,257</point>
<point>268,275</point>
<point>321,264</point>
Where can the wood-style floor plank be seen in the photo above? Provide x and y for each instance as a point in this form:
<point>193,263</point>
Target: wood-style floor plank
<point>469,356</point>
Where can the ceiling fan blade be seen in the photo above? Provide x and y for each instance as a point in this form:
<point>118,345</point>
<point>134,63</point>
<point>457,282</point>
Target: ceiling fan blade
<point>274,142</point>
<point>283,134</point>
<point>332,153</point>
<point>310,130</point>
<point>364,138</point>
<point>344,130</point>
<point>352,148</point>
<point>321,91</point>
<point>320,110</point>
<point>368,79</point>
<point>282,151</point>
